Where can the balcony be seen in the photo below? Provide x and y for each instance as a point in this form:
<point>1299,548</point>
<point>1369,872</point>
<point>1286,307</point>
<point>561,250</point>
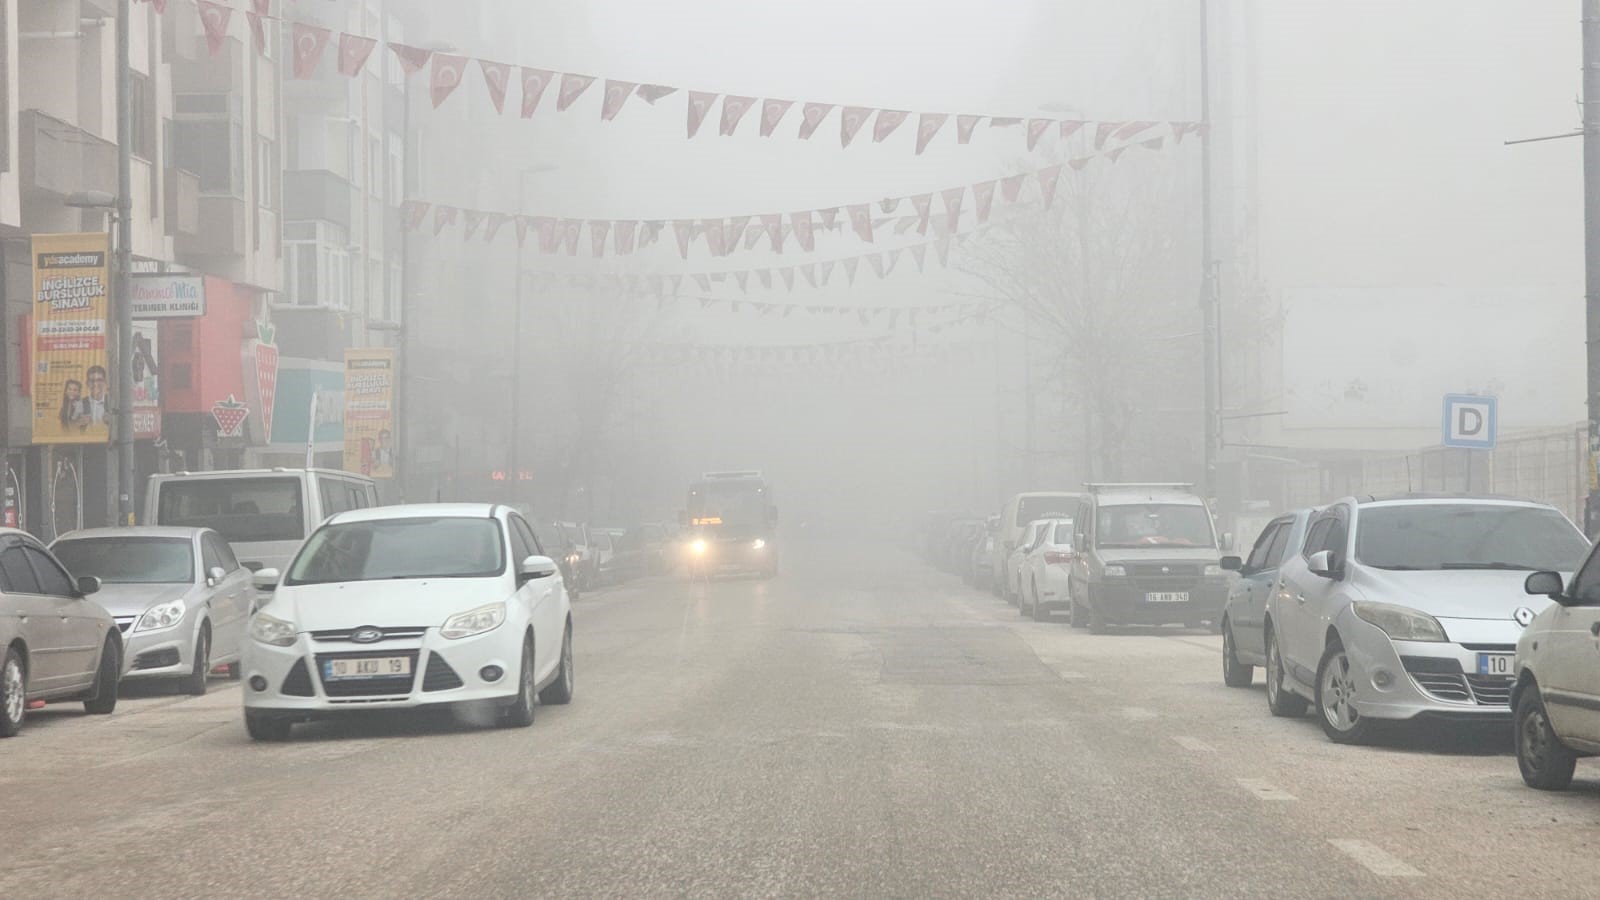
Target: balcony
<point>320,195</point>
<point>59,159</point>
<point>182,202</point>
<point>219,228</point>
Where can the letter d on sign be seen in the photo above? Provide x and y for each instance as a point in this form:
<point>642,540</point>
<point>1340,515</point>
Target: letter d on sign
<point>1469,421</point>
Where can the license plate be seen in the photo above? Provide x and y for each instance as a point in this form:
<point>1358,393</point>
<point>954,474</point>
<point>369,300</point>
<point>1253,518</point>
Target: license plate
<point>1496,663</point>
<point>368,667</point>
<point>1167,597</point>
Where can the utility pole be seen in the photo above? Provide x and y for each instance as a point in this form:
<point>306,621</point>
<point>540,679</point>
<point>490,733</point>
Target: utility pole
<point>1208,281</point>
<point>1591,245</point>
<point>123,358</point>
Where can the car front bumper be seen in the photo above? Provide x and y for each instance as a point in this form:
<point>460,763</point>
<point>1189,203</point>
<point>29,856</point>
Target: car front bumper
<point>1407,679</point>
<point>168,653</point>
<point>1053,592</point>
<point>733,558</point>
<point>293,682</point>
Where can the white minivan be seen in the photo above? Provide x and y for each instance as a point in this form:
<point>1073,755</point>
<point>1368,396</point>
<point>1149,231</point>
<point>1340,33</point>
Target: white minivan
<point>263,513</point>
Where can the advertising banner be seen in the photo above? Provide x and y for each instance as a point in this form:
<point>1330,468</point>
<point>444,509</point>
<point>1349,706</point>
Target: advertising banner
<point>369,412</point>
<point>71,385</point>
<point>146,382</point>
<point>168,296</point>
<point>295,420</point>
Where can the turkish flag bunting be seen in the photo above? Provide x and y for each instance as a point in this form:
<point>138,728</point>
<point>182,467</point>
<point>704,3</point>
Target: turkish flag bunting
<point>766,277</point>
<point>534,81</point>
<point>788,276</point>
<point>1116,154</point>
<point>802,230</point>
<point>699,104</point>
<point>743,277</point>
<point>625,233</point>
<point>522,230</point>
<point>943,246</point>
<point>738,227</point>
<point>850,122</point>
<point>160,5</point>
<point>861,220</point>
<point>549,236</point>
<point>1079,162</point>
<point>905,224</point>
<point>1070,127</point>
<point>826,271</point>
<point>650,93</point>
<point>572,87</point>
<point>677,283</point>
<point>617,93</point>
<point>894,257</point>
<point>496,79</point>
<point>811,115</point>
<point>772,113</point>
<point>888,204</point>
<point>1011,186</point>
<point>964,126</point>
<point>443,217</point>
<point>924,204</point>
<point>416,212</point>
<point>496,220</point>
<point>888,120</point>
<point>470,219</point>
<point>733,109</point>
<point>705,285</point>
<point>412,59</point>
<point>599,230</point>
<point>353,53</point>
<point>928,125</point>
<point>258,28</point>
<point>919,252</point>
<point>446,76</point>
<point>829,216</point>
<point>714,237</point>
<point>1104,133</point>
<point>1133,128</point>
<point>983,197</point>
<point>952,205</point>
<point>1048,177</point>
<point>1036,129</point>
<point>214,18</point>
<point>571,230</point>
<point>683,230</point>
<point>1154,143</point>
<point>309,42</point>
<point>810,272</point>
<point>876,261</point>
<point>774,225</point>
<point>753,233</point>
<point>850,265</point>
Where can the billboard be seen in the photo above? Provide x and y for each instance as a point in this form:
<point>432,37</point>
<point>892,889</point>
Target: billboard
<point>71,384</point>
<point>296,382</point>
<point>168,296</point>
<point>369,440</point>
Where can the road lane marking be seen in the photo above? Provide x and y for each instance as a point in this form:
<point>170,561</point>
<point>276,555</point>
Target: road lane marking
<point>1195,744</point>
<point>1377,861</point>
<point>1263,790</point>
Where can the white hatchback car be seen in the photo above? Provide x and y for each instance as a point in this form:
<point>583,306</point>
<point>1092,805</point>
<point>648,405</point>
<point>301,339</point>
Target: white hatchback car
<point>409,606</point>
<point>1557,694</point>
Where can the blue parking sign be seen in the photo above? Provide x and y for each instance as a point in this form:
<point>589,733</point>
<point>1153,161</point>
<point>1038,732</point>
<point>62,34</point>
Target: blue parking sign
<point>1470,421</point>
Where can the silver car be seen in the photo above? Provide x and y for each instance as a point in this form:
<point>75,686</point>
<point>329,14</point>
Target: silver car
<point>55,642</point>
<point>1409,607</point>
<point>1244,644</point>
<point>180,598</point>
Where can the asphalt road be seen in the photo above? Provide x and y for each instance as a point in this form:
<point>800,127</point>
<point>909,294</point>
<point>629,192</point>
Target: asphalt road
<point>861,726</point>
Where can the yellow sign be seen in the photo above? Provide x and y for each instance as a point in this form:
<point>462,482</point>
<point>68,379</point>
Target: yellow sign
<point>708,520</point>
<point>71,382</point>
<point>369,443</point>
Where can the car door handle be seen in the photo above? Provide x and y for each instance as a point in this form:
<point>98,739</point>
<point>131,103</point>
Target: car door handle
<point>1299,598</point>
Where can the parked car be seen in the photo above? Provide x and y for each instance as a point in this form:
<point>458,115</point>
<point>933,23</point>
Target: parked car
<point>1405,608</point>
<point>55,642</point>
<point>1556,700</point>
<point>1031,536</point>
<point>263,513</point>
<point>603,542</point>
<point>179,596</point>
<point>559,547</point>
<point>1147,554</point>
<point>1244,617</point>
<point>981,565</point>
<point>586,569</point>
<point>1046,572</point>
<point>1014,518</point>
<point>411,606</point>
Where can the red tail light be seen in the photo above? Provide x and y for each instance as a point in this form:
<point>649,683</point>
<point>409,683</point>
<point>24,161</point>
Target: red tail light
<point>1057,557</point>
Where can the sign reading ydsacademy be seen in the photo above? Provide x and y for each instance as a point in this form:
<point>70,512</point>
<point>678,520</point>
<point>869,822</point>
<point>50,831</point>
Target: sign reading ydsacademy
<point>168,296</point>
<point>369,412</point>
<point>71,388</point>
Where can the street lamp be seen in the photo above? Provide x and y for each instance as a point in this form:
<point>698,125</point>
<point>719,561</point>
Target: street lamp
<point>117,207</point>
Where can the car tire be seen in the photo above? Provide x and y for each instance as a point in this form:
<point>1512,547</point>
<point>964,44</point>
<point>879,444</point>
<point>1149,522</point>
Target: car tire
<point>519,714</point>
<point>271,729</point>
<point>194,684</point>
<point>1546,763</point>
<point>103,700</point>
<point>559,693</point>
<point>1077,619</point>
<point>1335,695</point>
<point>1280,700</point>
<point>1038,613</point>
<point>1234,673</point>
<point>13,693</point>
<point>1097,619</point>
<point>236,670</point>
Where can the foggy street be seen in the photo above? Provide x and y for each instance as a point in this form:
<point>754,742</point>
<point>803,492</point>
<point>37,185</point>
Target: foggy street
<point>860,726</point>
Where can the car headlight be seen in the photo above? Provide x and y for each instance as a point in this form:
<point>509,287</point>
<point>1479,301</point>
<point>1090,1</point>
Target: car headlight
<point>1399,622</point>
<point>698,547</point>
<point>164,615</point>
<point>270,630</point>
<point>758,544</point>
<point>1114,571</point>
<point>474,621</point>
<point>1213,571</point>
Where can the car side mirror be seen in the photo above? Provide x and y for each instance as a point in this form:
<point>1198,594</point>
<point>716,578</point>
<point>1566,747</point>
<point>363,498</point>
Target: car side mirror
<point>1327,564</point>
<point>1232,564</point>
<point>266,579</point>
<point>534,568</point>
<point>215,576</point>
<point>88,584</point>
<point>1547,584</point>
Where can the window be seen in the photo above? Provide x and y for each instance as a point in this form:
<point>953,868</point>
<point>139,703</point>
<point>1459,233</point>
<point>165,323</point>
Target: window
<point>1261,555</point>
<point>1586,587</point>
<point>18,575</point>
<point>53,579</point>
<point>432,547</point>
<point>397,170</point>
<point>267,169</point>
<point>521,540</point>
<point>1435,536</point>
<point>240,509</point>
<point>1280,543</point>
<point>375,167</point>
<point>142,115</point>
<point>129,560</point>
<point>1154,525</point>
<point>209,557</point>
<point>318,265</point>
<point>335,499</point>
<point>225,553</point>
<point>1317,534</point>
<point>209,141</point>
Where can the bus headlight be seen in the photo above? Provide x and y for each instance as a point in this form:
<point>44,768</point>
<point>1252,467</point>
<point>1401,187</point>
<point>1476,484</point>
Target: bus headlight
<point>698,547</point>
<point>758,544</point>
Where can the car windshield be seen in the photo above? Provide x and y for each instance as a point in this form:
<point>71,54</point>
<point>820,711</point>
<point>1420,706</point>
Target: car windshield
<point>433,547</point>
<point>1154,525</point>
<point>1044,507</point>
<point>241,509</point>
<point>1467,536</point>
<point>129,560</point>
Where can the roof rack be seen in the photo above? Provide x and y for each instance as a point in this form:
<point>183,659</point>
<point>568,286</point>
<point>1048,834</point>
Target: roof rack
<point>1134,485</point>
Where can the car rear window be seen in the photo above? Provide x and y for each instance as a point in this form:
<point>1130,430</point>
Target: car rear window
<point>1047,507</point>
<point>242,510</point>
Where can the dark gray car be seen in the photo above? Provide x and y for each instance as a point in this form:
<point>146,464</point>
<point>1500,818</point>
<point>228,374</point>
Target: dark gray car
<point>1243,640</point>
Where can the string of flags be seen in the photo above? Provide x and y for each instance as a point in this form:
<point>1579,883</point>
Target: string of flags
<point>447,71</point>
<point>746,358</point>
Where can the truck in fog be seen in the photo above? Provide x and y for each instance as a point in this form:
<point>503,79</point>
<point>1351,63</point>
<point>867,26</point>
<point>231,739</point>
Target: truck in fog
<point>732,522</point>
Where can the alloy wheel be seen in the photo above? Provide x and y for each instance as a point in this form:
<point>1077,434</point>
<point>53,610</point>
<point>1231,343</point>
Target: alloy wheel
<point>1274,670</point>
<point>1338,694</point>
<point>12,692</point>
<point>566,663</point>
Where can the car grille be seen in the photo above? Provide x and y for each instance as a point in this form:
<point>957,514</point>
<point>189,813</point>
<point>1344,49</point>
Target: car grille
<point>125,622</point>
<point>1444,686</point>
<point>1155,570</point>
<point>368,687</point>
<point>439,676</point>
<point>298,682</point>
<point>389,634</point>
<point>1490,690</point>
<point>1444,679</point>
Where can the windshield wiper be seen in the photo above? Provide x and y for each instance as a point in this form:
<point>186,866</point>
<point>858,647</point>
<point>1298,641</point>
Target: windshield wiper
<point>1513,567</point>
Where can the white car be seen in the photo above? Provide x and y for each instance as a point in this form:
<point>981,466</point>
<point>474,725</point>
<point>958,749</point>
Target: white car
<point>1011,578</point>
<point>1556,700</point>
<point>409,606</point>
<point>1046,570</point>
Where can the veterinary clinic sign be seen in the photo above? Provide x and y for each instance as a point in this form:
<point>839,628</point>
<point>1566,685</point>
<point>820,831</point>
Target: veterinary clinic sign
<point>168,296</point>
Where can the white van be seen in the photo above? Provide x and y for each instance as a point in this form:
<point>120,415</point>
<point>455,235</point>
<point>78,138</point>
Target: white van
<point>263,513</point>
<point>1022,509</point>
